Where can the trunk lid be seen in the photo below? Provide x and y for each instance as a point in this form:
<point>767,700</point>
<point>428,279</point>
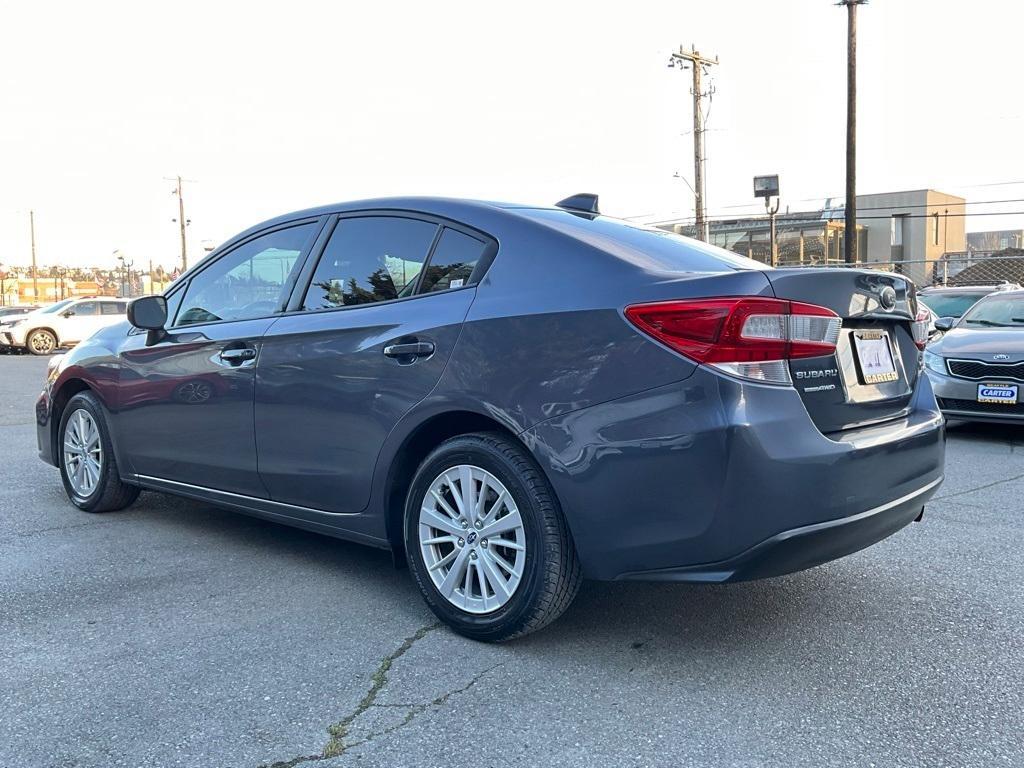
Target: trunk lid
<point>872,376</point>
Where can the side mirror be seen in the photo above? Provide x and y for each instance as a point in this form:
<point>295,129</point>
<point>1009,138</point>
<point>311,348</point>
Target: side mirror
<point>150,314</point>
<point>67,313</point>
<point>945,323</point>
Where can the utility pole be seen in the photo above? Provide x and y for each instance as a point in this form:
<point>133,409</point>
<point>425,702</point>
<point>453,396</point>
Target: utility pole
<point>850,236</point>
<point>182,221</point>
<point>35,280</point>
<point>696,62</point>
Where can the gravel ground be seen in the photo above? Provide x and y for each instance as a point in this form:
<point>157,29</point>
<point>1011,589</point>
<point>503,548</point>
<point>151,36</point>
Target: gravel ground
<point>174,633</point>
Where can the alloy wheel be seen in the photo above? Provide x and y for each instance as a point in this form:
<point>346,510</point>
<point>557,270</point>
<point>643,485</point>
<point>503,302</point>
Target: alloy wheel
<point>83,452</point>
<point>472,539</point>
<point>42,343</point>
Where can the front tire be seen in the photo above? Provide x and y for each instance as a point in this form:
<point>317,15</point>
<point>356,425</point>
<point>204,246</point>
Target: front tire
<point>486,540</point>
<point>41,342</point>
<point>88,468</point>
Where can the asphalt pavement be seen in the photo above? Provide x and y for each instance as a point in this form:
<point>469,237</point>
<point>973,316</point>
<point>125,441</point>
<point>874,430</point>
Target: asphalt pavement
<point>177,634</point>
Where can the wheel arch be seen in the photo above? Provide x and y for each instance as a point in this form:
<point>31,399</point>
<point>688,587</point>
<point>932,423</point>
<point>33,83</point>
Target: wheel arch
<point>46,328</point>
<point>414,448</point>
<point>58,402</point>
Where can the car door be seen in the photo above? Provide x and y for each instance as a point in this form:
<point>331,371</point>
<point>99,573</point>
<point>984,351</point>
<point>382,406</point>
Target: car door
<point>79,321</point>
<point>112,312</point>
<point>185,410</point>
<point>367,341</point>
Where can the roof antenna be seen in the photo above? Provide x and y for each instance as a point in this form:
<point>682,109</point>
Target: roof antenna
<point>582,201</point>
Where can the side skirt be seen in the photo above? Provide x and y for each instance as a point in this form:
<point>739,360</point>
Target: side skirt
<point>306,518</point>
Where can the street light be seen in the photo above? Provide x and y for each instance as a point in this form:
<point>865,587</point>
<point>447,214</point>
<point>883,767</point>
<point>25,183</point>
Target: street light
<point>127,267</point>
<point>768,187</point>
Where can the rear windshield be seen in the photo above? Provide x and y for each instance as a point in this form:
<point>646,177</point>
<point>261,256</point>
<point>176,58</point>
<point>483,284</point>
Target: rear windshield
<point>950,304</point>
<point>647,247</point>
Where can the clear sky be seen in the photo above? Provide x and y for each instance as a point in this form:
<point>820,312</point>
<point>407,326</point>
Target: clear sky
<point>276,106</point>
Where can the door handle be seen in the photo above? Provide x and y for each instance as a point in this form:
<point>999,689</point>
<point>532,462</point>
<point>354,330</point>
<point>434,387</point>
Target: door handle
<point>237,355</point>
<point>410,349</point>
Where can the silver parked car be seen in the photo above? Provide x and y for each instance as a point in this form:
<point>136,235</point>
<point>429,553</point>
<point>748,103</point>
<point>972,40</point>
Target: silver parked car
<point>977,367</point>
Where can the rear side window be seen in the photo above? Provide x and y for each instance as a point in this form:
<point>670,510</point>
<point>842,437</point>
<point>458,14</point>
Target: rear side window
<point>85,308</point>
<point>113,308</point>
<point>452,262</point>
<point>370,259</point>
<point>647,247</point>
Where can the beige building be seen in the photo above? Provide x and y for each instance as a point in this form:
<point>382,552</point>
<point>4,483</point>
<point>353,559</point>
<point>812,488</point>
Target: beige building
<point>915,227</point>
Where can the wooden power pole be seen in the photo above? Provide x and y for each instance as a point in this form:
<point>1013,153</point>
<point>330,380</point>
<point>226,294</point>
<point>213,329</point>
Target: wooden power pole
<point>696,62</point>
<point>850,234</point>
<point>182,221</point>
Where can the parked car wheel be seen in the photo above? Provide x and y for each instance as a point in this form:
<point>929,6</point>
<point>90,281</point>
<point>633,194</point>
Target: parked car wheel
<point>41,342</point>
<point>486,540</point>
<point>87,464</point>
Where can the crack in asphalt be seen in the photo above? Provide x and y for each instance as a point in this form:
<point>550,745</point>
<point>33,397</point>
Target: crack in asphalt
<point>979,488</point>
<point>68,527</point>
<point>338,743</point>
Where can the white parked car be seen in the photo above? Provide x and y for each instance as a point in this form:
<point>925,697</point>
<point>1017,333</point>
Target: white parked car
<point>62,324</point>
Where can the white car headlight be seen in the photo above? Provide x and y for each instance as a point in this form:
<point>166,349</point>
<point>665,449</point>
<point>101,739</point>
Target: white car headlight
<point>934,362</point>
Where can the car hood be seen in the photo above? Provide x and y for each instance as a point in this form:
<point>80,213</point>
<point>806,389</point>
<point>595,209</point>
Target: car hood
<point>978,344</point>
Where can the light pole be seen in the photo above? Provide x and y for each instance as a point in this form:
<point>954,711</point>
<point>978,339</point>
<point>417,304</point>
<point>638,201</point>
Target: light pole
<point>768,187</point>
<point>3,286</point>
<point>850,226</point>
<point>126,267</point>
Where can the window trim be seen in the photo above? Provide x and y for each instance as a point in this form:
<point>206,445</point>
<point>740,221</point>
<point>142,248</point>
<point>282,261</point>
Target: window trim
<point>305,277</point>
<point>293,278</point>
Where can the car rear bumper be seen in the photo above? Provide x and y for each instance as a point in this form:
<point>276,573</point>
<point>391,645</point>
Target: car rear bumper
<point>958,399</point>
<point>805,547</point>
<point>723,480</point>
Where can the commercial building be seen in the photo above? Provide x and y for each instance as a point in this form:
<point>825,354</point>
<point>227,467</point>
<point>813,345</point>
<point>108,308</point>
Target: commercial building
<point>993,241</point>
<point>911,230</point>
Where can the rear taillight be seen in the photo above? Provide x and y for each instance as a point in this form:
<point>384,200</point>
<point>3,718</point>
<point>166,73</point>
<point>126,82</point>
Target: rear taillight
<point>921,323</point>
<point>752,338</point>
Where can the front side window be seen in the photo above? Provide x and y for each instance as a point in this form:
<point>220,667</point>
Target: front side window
<point>85,309</point>
<point>452,262</point>
<point>248,282</point>
<point>370,259</point>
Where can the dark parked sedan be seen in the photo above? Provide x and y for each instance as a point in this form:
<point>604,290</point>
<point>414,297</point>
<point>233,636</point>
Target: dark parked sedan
<point>512,398</point>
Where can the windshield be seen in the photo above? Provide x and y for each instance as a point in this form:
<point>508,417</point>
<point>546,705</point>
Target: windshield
<point>644,246</point>
<point>951,304</point>
<point>1001,312</point>
<point>56,307</point>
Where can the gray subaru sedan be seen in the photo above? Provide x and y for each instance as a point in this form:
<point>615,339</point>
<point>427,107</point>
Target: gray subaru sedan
<point>977,366</point>
<point>512,398</point>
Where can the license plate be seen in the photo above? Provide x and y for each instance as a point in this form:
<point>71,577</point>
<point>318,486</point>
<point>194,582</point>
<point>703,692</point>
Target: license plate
<point>875,356</point>
<point>1004,394</point>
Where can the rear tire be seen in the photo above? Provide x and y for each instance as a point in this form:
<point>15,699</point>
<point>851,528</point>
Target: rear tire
<point>85,453</point>
<point>41,342</point>
<point>511,574</point>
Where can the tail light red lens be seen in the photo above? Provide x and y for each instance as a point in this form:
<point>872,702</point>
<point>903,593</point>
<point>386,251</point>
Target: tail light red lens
<point>921,323</point>
<point>745,336</point>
